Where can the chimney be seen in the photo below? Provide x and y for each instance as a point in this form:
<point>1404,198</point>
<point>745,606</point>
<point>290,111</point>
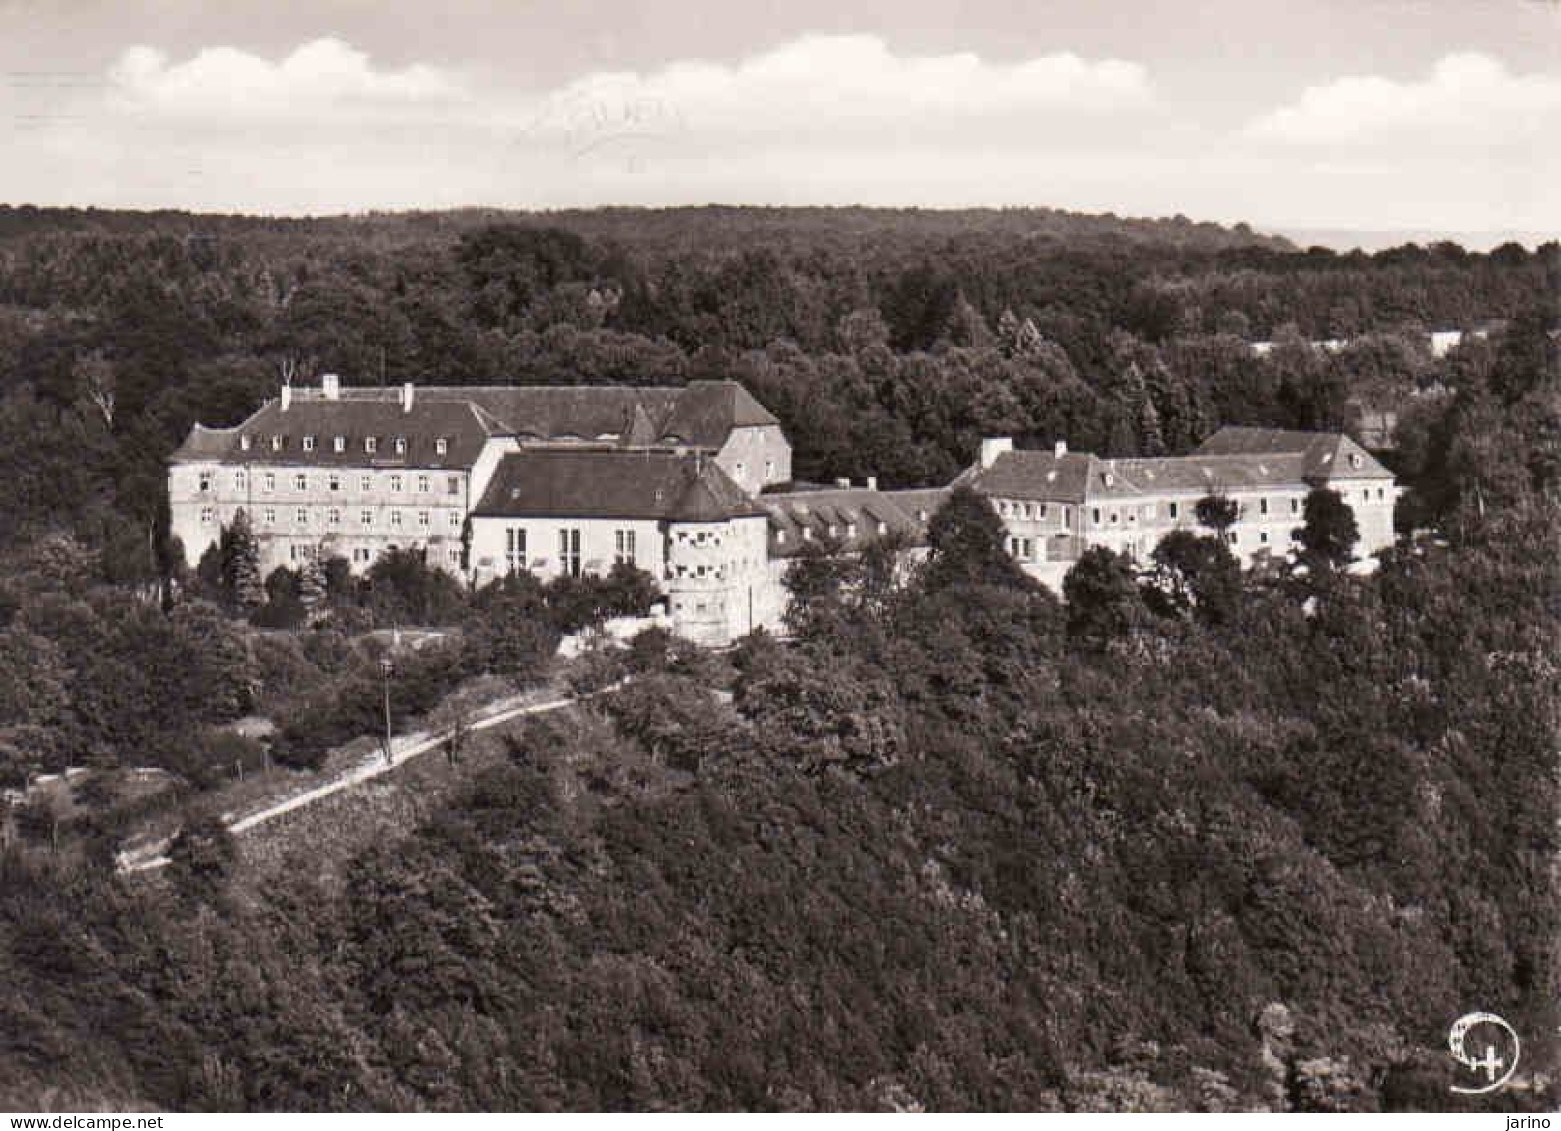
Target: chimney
<point>406,397</point>
<point>330,386</point>
<point>1060,449</point>
<point>994,446</point>
<point>872,482</point>
<point>287,396</point>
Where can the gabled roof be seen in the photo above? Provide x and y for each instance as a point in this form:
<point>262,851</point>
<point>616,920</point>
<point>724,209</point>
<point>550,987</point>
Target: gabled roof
<point>461,425</point>
<point>1032,475</point>
<point>1192,474</point>
<point>855,513</point>
<point>700,414</point>
<point>1325,455</point>
<point>612,483</point>
<point>1233,459</point>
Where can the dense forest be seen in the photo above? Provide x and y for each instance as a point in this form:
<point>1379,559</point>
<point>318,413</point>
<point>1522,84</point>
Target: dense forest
<point>1187,838</point>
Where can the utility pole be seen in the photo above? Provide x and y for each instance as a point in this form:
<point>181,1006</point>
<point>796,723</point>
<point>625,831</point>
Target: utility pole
<point>386,667</point>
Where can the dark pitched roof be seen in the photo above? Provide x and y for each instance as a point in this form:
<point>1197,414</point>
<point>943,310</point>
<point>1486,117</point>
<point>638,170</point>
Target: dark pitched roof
<point>1193,474</point>
<point>1032,475</point>
<point>612,483</point>
<point>700,414</point>
<point>706,411</point>
<point>855,513</point>
<point>463,426</point>
<point>1231,459</point>
<point>1324,455</point>
<point>590,413</point>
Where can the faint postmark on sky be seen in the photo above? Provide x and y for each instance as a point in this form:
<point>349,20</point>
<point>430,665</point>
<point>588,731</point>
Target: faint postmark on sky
<point>603,123</point>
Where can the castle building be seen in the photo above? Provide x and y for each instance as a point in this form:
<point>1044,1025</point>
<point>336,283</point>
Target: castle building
<point>354,471</point>
<point>1056,504</point>
<point>693,485</point>
<point>679,516</point>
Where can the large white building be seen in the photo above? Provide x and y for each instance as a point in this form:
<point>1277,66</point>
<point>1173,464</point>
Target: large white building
<point>1055,503</point>
<point>691,484</point>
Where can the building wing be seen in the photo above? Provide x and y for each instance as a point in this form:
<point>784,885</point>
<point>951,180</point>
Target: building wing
<point>1324,455</point>
<point>347,433</point>
<point>612,483</point>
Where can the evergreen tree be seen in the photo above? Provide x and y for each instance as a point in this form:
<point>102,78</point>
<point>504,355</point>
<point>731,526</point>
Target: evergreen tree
<point>241,566</point>
<point>1139,412</point>
<point>1008,332</point>
<point>1019,337</point>
<point>311,584</point>
<point>966,326</point>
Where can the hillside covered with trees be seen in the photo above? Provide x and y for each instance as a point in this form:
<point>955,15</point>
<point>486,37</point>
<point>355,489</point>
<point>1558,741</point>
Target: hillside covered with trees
<point>1187,838</point>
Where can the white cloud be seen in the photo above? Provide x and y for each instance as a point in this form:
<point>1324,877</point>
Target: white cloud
<point>1468,99</point>
<point>323,78</point>
<point>818,120</point>
<point>819,86</point>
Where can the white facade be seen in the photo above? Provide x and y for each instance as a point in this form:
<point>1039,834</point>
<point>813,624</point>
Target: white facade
<point>300,510</point>
<point>715,575</point>
<point>756,457</point>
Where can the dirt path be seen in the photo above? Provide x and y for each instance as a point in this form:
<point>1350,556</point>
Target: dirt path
<point>403,749</point>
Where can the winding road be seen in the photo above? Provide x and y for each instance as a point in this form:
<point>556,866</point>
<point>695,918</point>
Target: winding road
<point>403,748</point>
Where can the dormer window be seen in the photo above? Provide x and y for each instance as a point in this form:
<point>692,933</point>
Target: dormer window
<point>370,444</point>
<point>850,530</point>
<point>1111,480</point>
<point>780,537</point>
<point>441,446</point>
<point>276,443</point>
<point>401,445</point>
<point>308,443</point>
<point>1355,460</point>
<point>243,443</point>
<point>340,444</point>
<point>883,528</point>
<point>807,534</point>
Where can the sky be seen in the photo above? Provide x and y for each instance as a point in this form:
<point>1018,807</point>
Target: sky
<point>1436,115</point>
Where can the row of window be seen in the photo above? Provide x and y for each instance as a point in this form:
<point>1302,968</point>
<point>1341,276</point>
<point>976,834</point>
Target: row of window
<point>1173,511</point>
<point>334,480</point>
<point>360,554</point>
<point>332,516</point>
<point>516,542</point>
<point>1031,511</point>
<point>1023,510</point>
<point>1027,549</point>
<point>699,537</point>
<point>339,444</point>
<point>832,530</point>
<point>741,471</point>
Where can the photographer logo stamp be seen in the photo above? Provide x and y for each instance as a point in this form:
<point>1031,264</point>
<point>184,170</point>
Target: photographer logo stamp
<point>1487,1048</point>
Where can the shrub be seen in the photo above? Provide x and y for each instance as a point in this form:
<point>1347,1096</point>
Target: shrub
<point>202,856</point>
